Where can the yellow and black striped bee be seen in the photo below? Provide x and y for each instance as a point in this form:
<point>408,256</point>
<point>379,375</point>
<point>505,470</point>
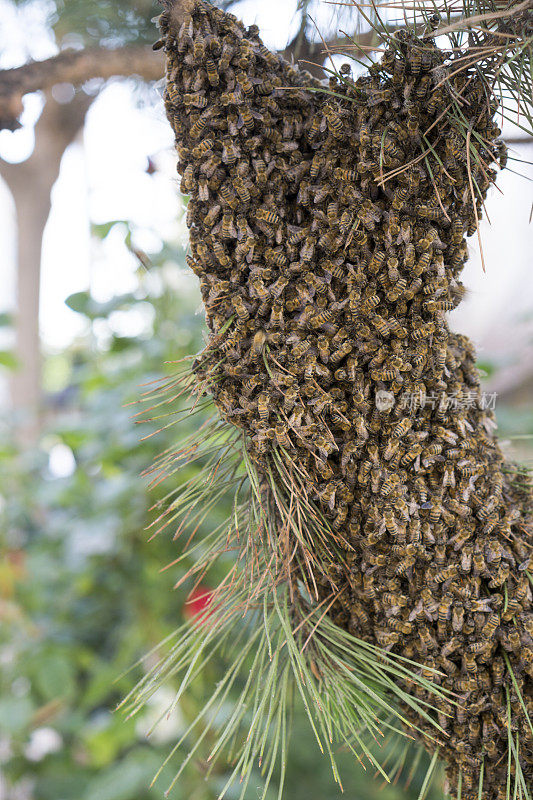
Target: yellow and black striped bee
<point>392,153</point>
<point>263,402</point>
<point>268,215</point>
<point>220,254</point>
<point>316,165</point>
<point>260,170</point>
<point>228,195</point>
<point>204,147</point>
<point>348,175</point>
<point>400,197</point>
<point>212,72</point>
<point>196,99</point>
<point>230,152</point>
<point>247,118</point>
<point>228,230</point>
<point>334,122</point>
<point>241,190</point>
<point>244,83</point>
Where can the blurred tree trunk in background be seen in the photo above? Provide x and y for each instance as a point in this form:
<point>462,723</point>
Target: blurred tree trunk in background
<point>31,183</point>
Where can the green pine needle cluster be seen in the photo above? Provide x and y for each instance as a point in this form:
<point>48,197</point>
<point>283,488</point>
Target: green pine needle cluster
<point>276,639</point>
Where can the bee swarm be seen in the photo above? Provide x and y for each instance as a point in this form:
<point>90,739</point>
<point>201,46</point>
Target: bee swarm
<point>326,272</point>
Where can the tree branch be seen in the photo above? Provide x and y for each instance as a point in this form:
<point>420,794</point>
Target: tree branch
<point>75,67</point>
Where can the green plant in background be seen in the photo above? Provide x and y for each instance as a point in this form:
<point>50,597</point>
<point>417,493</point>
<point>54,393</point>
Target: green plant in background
<point>81,589</point>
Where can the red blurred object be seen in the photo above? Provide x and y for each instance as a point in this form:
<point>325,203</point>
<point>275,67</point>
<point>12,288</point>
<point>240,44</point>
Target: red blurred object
<point>197,604</point>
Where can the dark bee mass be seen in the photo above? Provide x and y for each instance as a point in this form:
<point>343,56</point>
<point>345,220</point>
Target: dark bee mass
<point>326,269</point>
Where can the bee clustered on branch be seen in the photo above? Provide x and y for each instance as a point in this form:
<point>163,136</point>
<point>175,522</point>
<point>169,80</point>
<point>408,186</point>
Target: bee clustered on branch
<point>327,229</point>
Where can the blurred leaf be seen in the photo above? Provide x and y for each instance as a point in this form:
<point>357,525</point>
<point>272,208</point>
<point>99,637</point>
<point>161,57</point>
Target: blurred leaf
<point>101,230</point>
<point>486,367</point>
<point>79,301</point>
<point>15,713</point>
<point>54,676</point>
<point>9,360</point>
<point>83,303</point>
<point>122,781</point>
<point>106,741</point>
<point>6,319</point>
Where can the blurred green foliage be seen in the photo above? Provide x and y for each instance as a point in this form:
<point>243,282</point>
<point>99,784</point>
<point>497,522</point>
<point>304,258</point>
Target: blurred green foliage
<point>106,23</point>
<point>82,595</point>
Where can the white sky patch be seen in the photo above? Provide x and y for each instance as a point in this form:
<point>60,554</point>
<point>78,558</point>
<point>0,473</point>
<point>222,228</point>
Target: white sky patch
<point>24,33</point>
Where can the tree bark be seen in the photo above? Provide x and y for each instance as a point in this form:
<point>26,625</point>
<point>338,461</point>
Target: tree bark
<point>31,184</point>
<point>75,67</point>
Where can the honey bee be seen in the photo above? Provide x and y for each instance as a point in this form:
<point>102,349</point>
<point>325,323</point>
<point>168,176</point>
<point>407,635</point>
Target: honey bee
<point>387,639</point>
<point>512,641</point>
<point>439,305</point>
<point>426,639</point>
<point>315,127</point>
<point>227,194</point>
<point>401,428</point>
<point>196,99</point>
<point>228,226</point>
<point>500,576</point>
<point>400,196</point>
<point>403,566</point>
<point>230,152</point>
<point>348,175</point>
<point>334,123</point>
<point>198,47</point>
<point>489,629</point>
<point>212,73</point>
<point>231,98</point>
<point>241,189</point>
<point>445,574</point>
<point>212,216</point>
<point>474,729</point>
<point>392,152</point>
<point>466,684</point>
<point>394,222</point>
<point>244,83</point>
<point>316,165</point>
<point>258,343</point>
<point>209,167</point>
<point>262,406</point>
<point>203,189</point>
<point>345,222</point>
<point>282,438</point>
<point>401,626</point>
<point>221,254</point>
<point>204,147</point>
<point>247,118</point>
<point>268,216</point>
<point>470,662</point>
<point>458,617</point>
<point>242,312</point>
<point>173,93</point>
<point>290,397</point>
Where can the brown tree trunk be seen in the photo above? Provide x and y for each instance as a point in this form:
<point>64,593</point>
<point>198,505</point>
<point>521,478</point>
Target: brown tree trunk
<point>31,184</point>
